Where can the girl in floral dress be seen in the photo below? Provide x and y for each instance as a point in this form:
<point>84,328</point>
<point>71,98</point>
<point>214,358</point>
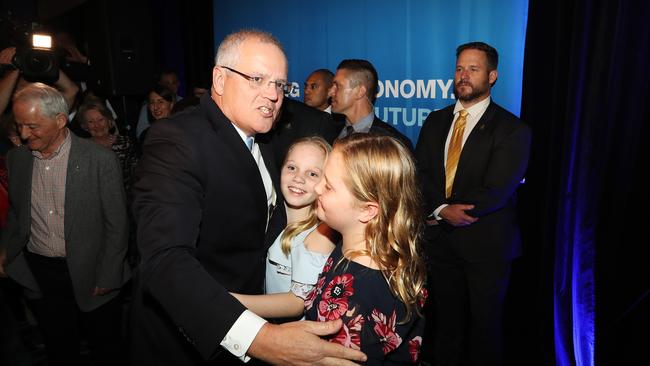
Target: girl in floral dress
<point>374,282</point>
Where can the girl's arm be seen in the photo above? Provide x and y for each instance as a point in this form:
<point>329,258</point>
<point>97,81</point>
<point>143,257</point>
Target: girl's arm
<point>282,305</point>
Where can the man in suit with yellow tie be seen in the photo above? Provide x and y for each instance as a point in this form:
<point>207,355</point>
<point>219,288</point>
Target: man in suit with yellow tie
<point>471,157</point>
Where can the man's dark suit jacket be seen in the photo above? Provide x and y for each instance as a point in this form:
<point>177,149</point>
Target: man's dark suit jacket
<point>299,120</point>
<point>492,163</point>
<point>380,127</point>
<point>201,211</point>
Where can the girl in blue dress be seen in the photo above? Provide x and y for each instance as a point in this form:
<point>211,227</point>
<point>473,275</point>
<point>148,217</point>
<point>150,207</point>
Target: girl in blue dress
<point>298,255</point>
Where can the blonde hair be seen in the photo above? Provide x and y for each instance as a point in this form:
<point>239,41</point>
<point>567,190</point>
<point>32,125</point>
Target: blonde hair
<point>100,107</point>
<point>381,170</point>
<point>293,229</point>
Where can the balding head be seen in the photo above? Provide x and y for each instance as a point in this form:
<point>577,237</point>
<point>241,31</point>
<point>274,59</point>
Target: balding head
<point>50,100</point>
<point>228,52</point>
<point>248,80</point>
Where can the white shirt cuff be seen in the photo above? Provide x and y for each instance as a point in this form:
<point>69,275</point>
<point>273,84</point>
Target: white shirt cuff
<point>242,333</point>
<point>436,212</point>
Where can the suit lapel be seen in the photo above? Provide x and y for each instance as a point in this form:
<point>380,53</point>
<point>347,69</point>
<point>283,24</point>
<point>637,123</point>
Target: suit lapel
<point>269,160</point>
<point>73,183</point>
<point>277,221</point>
<point>448,119</point>
<point>243,159</point>
<point>474,140</point>
<point>24,170</point>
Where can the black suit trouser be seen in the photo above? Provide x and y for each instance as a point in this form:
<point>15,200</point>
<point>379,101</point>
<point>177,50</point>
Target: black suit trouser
<point>468,300</point>
<point>62,322</point>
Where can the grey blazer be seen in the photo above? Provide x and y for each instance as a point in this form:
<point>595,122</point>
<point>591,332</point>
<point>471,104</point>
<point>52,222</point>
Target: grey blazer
<point>95,221</point>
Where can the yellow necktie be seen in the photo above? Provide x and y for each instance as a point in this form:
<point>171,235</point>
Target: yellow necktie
<point>453,154</point>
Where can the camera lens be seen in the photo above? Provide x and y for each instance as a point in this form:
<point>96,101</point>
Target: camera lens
<point>37,65</point>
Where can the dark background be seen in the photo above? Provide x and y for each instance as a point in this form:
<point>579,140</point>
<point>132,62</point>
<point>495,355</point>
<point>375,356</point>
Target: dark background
<point>586,90</point>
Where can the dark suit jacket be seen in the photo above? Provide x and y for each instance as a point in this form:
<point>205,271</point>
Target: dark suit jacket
<point>491,165</point>
<point>299,120</point>
<point>382,128</point>
<point>95,221</point>
<point>201,212</point>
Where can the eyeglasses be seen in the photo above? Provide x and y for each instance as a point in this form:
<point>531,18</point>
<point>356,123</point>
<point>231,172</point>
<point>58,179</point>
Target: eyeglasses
<point>259,81</point>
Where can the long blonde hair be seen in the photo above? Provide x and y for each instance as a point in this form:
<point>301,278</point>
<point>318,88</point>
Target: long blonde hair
<point>381,170</point>
<point>293,229</point>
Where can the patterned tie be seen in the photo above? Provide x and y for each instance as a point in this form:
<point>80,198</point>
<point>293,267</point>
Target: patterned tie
<point>453,154</point>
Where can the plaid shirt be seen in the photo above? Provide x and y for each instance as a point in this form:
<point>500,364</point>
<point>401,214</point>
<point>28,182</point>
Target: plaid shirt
<point>48,202</point>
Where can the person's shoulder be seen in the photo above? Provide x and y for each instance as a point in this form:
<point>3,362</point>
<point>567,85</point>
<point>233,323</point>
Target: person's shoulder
<point>295,106</point>
<point>297,115</point>
<point>439,115</point>
<point>504,117</point>
<point>89,148</point>
<point>383,128</point>
<point>317,240</point>
<point>196,120</point>
<point>380,126</point>
<point>178,126</point>
<point>18,153</point>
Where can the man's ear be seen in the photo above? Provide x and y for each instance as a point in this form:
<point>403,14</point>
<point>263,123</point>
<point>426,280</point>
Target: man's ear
<point>218,80</point>
<point>361,92</point>
<point>61,121</point>
<point>369,210</point>
<point>493,76</point>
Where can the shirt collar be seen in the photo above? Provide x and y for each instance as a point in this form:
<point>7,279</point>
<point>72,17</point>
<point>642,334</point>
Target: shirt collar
<point>474,110</point>
<point>242,134</point>
<point>363,125</point>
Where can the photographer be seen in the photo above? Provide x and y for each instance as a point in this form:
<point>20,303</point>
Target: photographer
<point>11,81</point>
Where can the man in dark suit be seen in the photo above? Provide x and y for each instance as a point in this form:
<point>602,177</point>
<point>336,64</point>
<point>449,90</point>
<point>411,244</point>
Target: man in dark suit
<point>471,157</point>
<point>353,93</point>
<point>202,207</point>
<point>66,236</point>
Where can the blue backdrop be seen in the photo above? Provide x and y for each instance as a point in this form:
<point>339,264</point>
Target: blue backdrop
<point>411,43</point>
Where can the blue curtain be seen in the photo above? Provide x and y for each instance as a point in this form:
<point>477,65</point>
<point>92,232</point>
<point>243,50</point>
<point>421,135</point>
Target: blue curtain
<point>586,88</point>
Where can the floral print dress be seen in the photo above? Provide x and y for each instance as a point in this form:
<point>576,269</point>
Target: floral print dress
<point>372,316</point>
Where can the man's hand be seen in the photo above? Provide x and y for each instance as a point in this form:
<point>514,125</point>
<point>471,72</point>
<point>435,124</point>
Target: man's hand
<point>74,55</point>
<point>298,343</point>
<point>9,78</point>
<point>100,291</point>
<point>7,55</point>
<point>455,215</point>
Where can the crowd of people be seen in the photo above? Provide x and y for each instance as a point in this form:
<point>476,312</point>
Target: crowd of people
<point>239,224</point>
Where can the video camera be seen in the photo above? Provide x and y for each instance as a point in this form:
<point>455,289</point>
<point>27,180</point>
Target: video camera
<point>34,56</point>
<point>38,62</point>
